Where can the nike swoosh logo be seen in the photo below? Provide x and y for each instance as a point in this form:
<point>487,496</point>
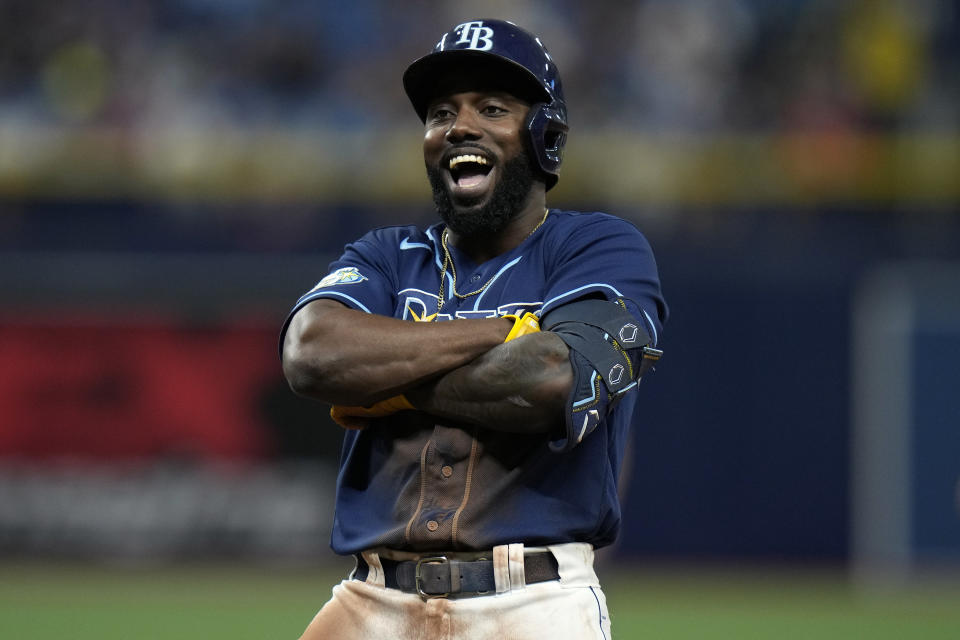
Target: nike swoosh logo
<point>406,244</point>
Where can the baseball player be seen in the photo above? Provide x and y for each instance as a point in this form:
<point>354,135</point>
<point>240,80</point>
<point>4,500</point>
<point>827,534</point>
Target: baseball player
<point>485,370</point>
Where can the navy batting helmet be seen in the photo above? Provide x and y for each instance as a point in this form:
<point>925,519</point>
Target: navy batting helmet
<point>522,63</point>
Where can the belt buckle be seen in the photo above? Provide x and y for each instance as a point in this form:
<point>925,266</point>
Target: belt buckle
<point>418,578</point>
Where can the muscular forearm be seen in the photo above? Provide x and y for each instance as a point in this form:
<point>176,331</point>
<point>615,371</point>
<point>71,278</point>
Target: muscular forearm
<point>343,356</point>
<point>519,386</point>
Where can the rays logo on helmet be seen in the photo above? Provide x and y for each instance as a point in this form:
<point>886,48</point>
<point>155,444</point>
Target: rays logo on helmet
<point>346,275</point>
<point>474,33</point>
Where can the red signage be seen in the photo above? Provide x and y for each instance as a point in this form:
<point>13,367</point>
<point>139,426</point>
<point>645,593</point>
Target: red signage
<point>98,390</point>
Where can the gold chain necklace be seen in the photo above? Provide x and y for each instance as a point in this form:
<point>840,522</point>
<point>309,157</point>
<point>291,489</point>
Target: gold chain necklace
<point>448,262</point>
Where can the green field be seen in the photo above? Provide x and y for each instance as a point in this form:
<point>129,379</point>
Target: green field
<point>246,602</point>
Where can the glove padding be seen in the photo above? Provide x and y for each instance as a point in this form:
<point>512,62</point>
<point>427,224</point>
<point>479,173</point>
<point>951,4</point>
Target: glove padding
<point>522,325</point>
<point>360,417</point>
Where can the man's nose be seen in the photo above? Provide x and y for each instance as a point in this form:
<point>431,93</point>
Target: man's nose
<point>464,127</point>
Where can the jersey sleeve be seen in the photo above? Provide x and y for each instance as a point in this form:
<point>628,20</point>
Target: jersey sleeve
<point>607,257</point>
<point>363,278</point>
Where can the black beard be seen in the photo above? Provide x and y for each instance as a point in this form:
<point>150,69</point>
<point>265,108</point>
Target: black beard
<point>509,195</point>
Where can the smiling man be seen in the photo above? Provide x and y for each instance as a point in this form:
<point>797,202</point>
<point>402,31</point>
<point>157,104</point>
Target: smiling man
<point>485,370</point>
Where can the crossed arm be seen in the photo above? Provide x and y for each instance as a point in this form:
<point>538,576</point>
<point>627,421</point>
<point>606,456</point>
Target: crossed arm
<point>460,370</point>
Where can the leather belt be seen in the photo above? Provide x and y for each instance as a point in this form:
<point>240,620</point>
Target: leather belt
<point>439,576</point>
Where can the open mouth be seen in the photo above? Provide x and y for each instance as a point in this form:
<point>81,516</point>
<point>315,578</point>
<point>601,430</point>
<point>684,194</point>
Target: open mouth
<point>470,172</point>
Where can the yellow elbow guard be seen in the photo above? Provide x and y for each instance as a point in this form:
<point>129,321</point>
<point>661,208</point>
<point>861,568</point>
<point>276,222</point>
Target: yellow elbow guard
<point>522,325</point>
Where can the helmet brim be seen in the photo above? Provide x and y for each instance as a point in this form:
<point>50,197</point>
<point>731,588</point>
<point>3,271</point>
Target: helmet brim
<point>427,77</point>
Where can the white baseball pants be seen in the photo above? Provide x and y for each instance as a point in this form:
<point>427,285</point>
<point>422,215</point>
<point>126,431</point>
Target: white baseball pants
<point>571,608</point>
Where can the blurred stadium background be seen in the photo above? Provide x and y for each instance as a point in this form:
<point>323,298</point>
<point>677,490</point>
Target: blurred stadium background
<point>173,175</point>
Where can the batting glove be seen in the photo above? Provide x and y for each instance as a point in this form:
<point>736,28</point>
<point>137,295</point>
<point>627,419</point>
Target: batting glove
<point>360,417</point>
<point>522,325</point>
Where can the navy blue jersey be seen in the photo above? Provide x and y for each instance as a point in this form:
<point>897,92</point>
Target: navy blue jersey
<point>409,482</point>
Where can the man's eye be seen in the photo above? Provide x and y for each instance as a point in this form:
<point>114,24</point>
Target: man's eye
<point>440,114</point>
<point>493,109</point>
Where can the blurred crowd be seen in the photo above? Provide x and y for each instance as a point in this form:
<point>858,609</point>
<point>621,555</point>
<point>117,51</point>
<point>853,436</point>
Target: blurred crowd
<point>649,65</point>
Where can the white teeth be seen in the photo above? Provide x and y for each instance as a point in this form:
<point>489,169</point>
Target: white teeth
<point>467,158</point>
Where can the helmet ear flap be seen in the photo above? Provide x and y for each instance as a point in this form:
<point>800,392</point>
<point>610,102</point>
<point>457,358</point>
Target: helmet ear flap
<point>547,128</point>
